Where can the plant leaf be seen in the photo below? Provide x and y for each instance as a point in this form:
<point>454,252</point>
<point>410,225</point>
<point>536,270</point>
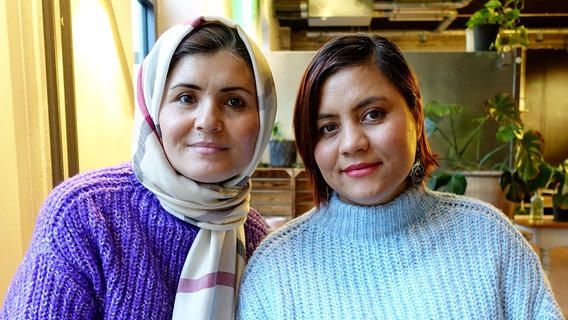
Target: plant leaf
<point>457,184</point>
<point>441,109</point>
<point>528,158</point>
<point>504,110</point>
<point>512,185</point>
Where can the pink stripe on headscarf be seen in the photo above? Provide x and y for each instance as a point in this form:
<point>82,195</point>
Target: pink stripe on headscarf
<point>209,280</point>
<point>142,103</point>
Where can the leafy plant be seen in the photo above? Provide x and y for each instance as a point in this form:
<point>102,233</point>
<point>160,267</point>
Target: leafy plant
<point>458,146</point>
<point>277,133</point>
<point>559,183</point>
<point>507,15</point>
<point>523,170</point>
<point>528,172</point>
<point>457,141</point>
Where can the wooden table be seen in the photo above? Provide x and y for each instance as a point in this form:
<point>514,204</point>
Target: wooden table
<point>546,234</point>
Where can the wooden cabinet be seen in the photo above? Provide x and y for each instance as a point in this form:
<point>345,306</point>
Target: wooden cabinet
<point>280,192</point>
<point>304,199</point>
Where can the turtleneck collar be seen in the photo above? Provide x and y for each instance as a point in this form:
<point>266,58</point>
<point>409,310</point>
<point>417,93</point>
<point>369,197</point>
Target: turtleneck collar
<point>407,209</point>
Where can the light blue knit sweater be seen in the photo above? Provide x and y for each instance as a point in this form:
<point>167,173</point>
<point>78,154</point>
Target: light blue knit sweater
<point>424,255</point>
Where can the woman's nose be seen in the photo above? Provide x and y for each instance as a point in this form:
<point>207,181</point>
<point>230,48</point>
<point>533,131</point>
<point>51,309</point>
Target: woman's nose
<point>353,139</point>
<point>208,118</point>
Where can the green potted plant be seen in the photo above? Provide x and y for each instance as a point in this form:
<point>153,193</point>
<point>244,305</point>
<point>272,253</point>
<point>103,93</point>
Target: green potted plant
<point>456,146</point>
<point>527,172</point>
<point>468,165</point>
<point>500,21</point>
<point>559,185</point>
<point>282,151</point>
<point>521,171</point>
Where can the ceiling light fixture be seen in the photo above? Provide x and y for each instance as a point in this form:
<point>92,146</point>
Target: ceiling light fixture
<point>322,13</point>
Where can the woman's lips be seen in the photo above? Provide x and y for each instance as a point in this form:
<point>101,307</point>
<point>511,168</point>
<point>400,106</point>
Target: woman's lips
<point>360,169</point>
<point>207,147</point>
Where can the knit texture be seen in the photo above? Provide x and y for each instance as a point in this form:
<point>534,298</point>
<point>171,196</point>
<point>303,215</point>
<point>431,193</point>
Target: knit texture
<point>424,255</point>
<point>104,248</point>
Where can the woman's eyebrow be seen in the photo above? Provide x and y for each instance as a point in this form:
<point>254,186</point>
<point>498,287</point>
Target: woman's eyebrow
<point>324,116</point>
<point>196,87</point>
<point>369,100</point>
<point>236,88</point>
<point>186,85</point>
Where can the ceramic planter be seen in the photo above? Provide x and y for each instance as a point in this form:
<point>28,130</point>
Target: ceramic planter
<point>282,153</point>
<point>484,35</point>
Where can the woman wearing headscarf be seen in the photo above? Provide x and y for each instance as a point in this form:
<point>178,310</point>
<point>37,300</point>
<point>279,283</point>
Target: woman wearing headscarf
<point>168,234</point>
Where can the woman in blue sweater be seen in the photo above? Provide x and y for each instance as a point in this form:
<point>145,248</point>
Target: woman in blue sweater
<point>168,234</point>
<point>378,244</point>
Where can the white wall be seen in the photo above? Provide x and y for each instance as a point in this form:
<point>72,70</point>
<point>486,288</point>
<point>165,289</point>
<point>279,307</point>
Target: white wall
<point>287,68</point>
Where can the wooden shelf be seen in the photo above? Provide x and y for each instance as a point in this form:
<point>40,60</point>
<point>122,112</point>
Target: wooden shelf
<point>283,192</point>
<point>304,199</point>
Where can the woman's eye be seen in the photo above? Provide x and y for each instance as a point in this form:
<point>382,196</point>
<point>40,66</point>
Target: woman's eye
<point>235,103</point>
<point>327,128</point>
<point>187,99</point>
<point>374,114</point>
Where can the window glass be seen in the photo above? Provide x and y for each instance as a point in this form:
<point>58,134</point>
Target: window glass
<point>143,30</point>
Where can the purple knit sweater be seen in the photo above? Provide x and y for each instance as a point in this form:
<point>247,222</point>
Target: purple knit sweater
<point>104,248</point>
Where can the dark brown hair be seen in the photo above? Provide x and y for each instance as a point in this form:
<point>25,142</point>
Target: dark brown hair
<point>337,54</point>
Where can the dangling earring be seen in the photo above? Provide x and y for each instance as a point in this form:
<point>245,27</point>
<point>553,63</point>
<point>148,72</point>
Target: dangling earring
<point>417,172</point>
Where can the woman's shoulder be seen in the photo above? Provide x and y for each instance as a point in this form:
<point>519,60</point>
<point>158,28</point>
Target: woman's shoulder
<point>89,191</point>
<point>79,200</point>
<point>471,211</point>
<point>460,203</point>
<point>96,180</point>
<point>112,174</point>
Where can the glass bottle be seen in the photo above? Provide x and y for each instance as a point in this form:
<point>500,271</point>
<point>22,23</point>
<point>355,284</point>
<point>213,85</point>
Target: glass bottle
<point>537,206</point>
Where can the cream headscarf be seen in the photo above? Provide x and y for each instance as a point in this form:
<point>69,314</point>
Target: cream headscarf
<point>210,277</point>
